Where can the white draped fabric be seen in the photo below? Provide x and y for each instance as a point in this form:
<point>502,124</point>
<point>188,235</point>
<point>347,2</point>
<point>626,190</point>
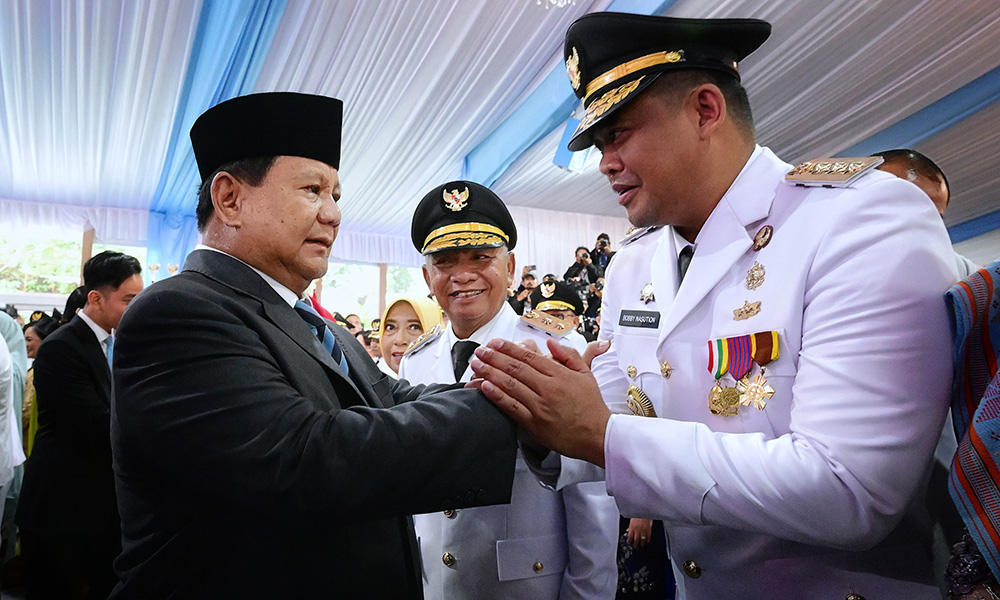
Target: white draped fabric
<point>89,93</point>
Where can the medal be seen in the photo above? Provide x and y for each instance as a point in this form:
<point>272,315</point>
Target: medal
<point>639,403</point>
<point>764,346</point>
<point>647,293</point>
<point>736,356</point>
<point>755,391</point>
<point>723,401</point>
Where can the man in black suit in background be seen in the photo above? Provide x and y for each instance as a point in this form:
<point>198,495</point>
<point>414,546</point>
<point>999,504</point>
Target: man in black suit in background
<point>67,512</point>
<point>260,453</point>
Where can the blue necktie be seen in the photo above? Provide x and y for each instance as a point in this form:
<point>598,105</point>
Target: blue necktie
<point>321,331</point>
<point>109,347</point>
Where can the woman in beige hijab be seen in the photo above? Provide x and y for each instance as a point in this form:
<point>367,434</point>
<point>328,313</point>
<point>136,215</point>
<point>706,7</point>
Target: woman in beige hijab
<point>404,320</point>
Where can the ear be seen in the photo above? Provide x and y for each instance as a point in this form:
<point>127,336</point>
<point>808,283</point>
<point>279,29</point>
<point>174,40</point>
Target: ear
<point>576,320</point>
<point>94,298</point>
<point>710,106</point>
<point>427,276</point>
<point>227,199</point>
<point>511,264</point>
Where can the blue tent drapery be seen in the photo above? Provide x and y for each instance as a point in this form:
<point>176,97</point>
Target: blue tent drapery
<point>230,46</point>
<point>550,105</point>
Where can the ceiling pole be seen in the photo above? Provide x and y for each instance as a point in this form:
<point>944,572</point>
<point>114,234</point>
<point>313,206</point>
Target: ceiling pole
<point>86,250</point>
<point>383,271</point>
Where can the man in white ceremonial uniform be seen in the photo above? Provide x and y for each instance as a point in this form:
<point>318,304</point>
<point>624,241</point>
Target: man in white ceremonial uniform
<point>798,374</point>
<point>545,544</point>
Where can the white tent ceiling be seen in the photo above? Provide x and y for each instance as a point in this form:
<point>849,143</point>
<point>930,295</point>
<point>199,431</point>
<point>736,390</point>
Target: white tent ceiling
<point>91,93</point>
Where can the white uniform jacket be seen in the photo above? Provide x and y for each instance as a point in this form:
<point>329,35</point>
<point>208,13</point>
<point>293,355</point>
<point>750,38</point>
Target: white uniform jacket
<point>545,544</point>
<point>788,501</point>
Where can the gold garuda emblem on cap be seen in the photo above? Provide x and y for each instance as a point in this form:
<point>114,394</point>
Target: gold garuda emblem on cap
<point>548,289</point>
<point>573,69</point>
<point>456,200</point>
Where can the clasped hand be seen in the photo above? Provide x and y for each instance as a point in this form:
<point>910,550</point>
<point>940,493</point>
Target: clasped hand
<point>556,399</point>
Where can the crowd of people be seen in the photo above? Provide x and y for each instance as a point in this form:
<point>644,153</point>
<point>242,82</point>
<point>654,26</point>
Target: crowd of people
<point>259,445</point>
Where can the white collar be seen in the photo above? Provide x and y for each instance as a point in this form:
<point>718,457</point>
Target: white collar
<point>485,333</point>
<point>679,241</point>
<point>97,329</point>
<point>286,294</point>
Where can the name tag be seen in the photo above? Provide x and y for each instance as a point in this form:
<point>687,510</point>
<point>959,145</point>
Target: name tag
<point>639,318</point>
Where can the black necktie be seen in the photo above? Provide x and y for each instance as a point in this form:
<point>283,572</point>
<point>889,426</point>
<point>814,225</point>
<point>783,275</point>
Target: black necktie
<point>461,353</point>
<point>683,260</point>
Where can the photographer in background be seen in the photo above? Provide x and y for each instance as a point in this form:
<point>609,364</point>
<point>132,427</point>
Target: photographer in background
<point>582,271</point>
<point>520,299</point>
<point>602,253</point>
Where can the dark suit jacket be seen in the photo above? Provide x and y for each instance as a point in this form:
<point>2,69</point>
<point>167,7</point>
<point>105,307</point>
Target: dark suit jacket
<point>249,466</point>
<point>68,481</point>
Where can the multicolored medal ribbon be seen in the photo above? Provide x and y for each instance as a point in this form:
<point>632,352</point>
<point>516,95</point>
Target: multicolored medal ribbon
<point>736,356</point>
<point>757,391</point>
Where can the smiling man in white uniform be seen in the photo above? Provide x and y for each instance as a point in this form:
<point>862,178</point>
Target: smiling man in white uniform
<point>789,390</point>
<point>545,544</point>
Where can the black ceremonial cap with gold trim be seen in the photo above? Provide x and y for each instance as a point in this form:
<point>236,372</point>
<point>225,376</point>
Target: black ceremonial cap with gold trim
<point>556,295</point>
<point>461,214</point>
<point>611,57</point>
<point>269,124</point>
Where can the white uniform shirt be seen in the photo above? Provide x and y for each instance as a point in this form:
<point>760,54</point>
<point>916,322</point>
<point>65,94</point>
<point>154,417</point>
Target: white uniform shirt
<point>783,502</point>
<point>544,544</point>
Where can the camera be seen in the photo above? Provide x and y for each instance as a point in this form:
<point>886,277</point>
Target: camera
<point>585,255</point>
<point>602,243</point>
<point>599,285</point>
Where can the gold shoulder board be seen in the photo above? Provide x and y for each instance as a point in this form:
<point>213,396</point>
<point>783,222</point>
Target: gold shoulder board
<point>831,172</point>
<point>551,325</point>
<point>635,233</point>
<point>424,339</point>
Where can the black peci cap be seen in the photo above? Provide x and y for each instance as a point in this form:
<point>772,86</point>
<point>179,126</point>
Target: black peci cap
<point>556,295</point>
<point>611,57</point>
<point>270,124</point>
<point>461,214</point>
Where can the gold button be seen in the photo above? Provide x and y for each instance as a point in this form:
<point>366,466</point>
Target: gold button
<point>665,369</point>
<point>538,567</point>
<point>631,371</point>
<point>448,559</point>
<point>450,513</point>
<point>854,597</point>
<point>692,569</point>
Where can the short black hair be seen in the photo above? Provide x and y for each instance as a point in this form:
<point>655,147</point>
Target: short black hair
<point>251,171</point>
<point>674,85</point>
<point>584,248</point>
<point>603,236</point>
<point>919,163</point>
<point>109,269</point>
<point>77,300</point>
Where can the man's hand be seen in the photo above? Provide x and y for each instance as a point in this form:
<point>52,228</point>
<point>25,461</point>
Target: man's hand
<point>555,399</point>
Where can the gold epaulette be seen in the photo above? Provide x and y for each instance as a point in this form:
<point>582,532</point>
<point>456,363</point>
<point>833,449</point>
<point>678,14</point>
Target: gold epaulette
<point>635,233</point>
<point>424,338</point>
<point>551,325</point>
<point>831,172</point>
